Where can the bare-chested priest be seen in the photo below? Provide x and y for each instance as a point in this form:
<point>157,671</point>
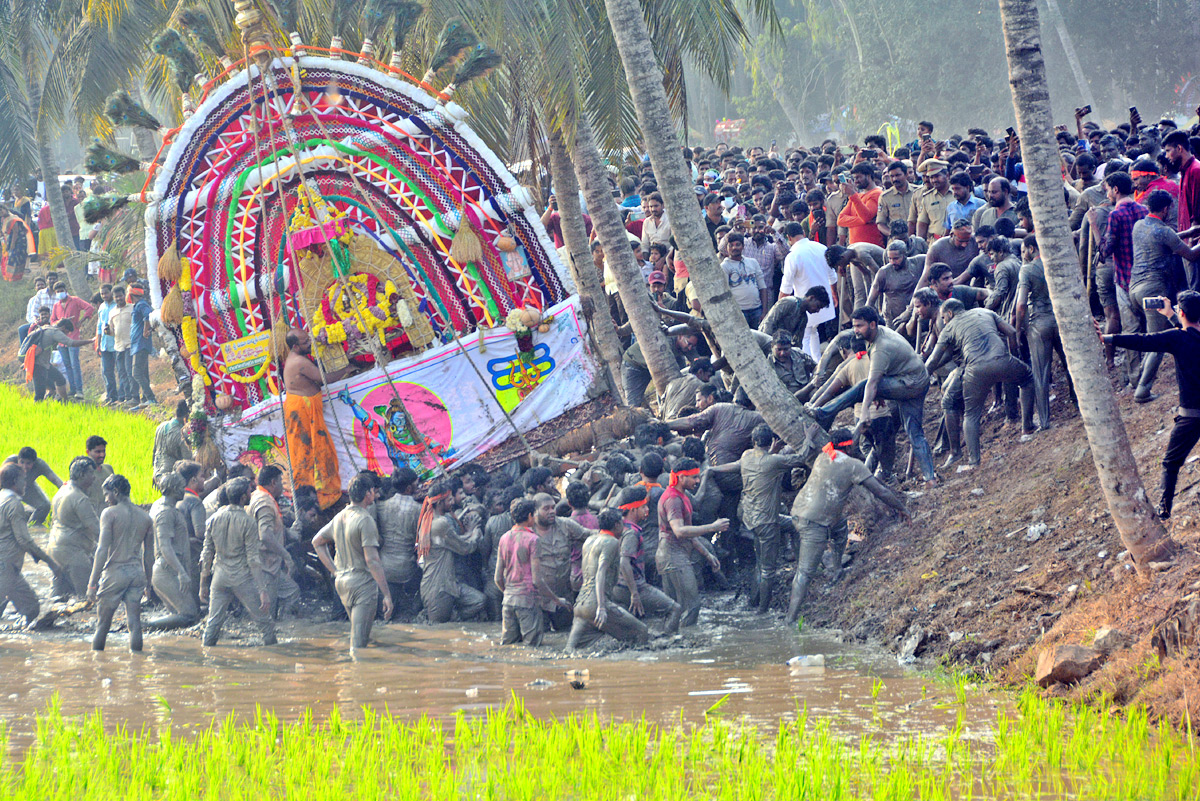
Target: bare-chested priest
<point>314,461</point>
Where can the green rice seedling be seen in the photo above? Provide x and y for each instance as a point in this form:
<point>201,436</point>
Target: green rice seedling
<point>506,753</point>
<point>58,432</point>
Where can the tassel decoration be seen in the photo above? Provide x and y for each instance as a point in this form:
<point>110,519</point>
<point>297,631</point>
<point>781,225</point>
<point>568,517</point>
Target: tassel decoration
<point>466,246</point>
<point>170,268</point>
<point>172,307</point>
<point>279,348</point>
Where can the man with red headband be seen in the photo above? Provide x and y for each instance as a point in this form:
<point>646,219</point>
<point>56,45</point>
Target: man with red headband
<point>762,473</point>
<point>632,590</point>
<point>595,614</point>
<point>440,536</point>
<point>818,509</point>
<point>356,566</point>
<point>677,540</point>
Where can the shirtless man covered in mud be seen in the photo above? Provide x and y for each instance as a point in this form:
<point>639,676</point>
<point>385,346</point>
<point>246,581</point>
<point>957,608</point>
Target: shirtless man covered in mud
<point>171,578</point>
<point>123,565</point>
<point>15,542</point>
<point>595,613</point>
<point>74,529</point>
<point>632,590</point>
<point>818,507</point>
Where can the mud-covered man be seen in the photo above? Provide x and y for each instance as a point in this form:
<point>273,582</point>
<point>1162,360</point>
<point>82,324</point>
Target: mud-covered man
<point>632,591</point>
<point>818,507</point>
<point>233,557</point>
<point>172,578</point>
<point>520,578</point>
<point>595,613</point>
<point>15,542</point>
<point>356,566</point>
<point>677,539</point>
<point>123,565</point>
<point>74,530</point>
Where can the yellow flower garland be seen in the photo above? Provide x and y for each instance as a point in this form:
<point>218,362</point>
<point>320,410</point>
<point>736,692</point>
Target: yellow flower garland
<point>258,374</point>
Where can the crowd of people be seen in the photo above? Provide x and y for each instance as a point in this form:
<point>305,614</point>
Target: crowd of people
<point>30,238</point>
<point>117,323</point>
<point>918,266</point>
<point>870,276</point>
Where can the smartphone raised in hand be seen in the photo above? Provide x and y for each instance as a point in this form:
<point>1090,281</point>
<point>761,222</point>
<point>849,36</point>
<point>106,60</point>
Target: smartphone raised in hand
<point>1154,303</point>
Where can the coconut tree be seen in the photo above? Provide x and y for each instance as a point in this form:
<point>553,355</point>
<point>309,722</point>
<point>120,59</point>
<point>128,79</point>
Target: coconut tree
<point>579,260</point>
<point>60,60</point>
<point>1140,530</point>
<point>573,78</point>
<point>780,410</point>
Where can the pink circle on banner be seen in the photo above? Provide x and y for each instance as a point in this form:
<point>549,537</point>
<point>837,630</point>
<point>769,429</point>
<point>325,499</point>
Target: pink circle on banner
<point>429,414</point>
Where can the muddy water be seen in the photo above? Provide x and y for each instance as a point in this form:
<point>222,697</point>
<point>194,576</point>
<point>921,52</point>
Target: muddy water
<point>415,670</point>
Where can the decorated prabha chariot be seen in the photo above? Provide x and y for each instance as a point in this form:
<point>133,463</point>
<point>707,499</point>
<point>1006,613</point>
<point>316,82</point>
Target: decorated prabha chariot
<point>320,189</point>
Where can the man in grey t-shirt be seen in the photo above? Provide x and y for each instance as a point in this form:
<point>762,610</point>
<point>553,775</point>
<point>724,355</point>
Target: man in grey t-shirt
<point>1158,271</point>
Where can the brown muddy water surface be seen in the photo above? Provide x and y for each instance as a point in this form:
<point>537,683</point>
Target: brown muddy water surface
<point>438,671</point>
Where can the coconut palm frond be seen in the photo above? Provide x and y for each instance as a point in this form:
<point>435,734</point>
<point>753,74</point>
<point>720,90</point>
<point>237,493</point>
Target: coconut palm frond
<point>18,148</point>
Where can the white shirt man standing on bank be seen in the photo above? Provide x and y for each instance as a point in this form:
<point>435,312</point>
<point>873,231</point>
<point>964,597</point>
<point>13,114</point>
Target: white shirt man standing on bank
<point>803,269</point>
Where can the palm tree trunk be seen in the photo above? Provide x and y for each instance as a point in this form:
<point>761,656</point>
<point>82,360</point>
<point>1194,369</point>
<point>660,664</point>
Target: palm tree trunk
<point>579,259</point>
<point>1064,36</point>
<point>49,166</point>
<point>786,99</point>
<point>1140,529</point>
<point>778,407</point>
<point>589,168</point>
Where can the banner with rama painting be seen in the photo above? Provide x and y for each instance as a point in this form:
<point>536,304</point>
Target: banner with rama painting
<point>435,409</point>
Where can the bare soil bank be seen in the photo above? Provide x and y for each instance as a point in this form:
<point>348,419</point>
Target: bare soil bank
<point>1022,554</point>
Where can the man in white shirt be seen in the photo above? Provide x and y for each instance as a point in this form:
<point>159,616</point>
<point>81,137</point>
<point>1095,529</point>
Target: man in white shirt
<point>41,297</point>
<point>120,321</point>
<point>803,269</point>
<point>746,281</point>
<point>656,228</point>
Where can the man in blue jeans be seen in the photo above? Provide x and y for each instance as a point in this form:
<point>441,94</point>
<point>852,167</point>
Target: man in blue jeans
<point>107,345</point>
<point>897,374</point>
<point>141,345</point>
<point>120,324</point>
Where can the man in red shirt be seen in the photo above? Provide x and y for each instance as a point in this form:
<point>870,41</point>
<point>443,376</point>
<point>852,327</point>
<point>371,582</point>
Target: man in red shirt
<point>1178,150</point>
<point>862,206</point>
<point>69,307</point>
<point>1146,179</point>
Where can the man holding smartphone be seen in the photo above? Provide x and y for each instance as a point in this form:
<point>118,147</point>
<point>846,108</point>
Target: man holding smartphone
<point>1184,344</point>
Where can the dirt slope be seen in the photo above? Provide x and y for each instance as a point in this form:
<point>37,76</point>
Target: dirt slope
<point>987,591</point>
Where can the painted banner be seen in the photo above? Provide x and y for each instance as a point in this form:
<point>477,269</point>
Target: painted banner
<point>440,394</point>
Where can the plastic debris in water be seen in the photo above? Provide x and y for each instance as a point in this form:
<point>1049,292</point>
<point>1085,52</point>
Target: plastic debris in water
<point>807,660</point>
